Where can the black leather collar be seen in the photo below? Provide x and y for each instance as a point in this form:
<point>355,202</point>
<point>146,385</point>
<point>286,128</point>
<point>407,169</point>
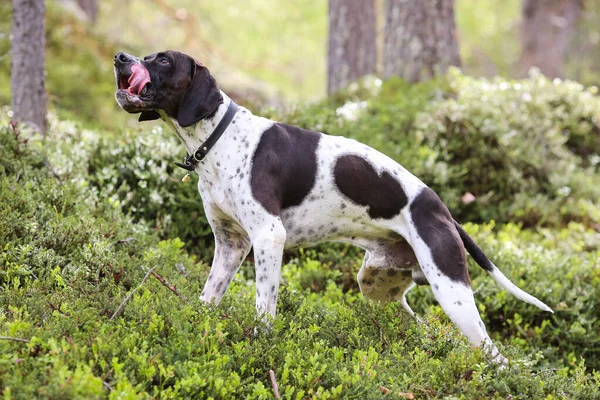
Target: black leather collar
<point>191,160</point>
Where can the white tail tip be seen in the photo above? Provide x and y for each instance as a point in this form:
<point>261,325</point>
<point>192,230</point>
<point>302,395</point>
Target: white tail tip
<point>516,291</point>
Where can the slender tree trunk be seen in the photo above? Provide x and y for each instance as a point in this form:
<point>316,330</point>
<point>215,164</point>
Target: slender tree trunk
<point>419,39</point>
<point>546,29</point>
<point>27,66</point>
<point>90,8</point>
<point>352,51</point>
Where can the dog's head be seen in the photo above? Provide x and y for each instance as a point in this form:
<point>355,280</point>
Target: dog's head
<point>169,81</point>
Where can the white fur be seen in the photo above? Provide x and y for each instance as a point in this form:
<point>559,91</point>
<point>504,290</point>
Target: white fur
<point>239,221</point>
<point>517,292</point>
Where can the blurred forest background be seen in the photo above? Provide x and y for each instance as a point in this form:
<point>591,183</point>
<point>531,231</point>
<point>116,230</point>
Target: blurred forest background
<point>104,251</point>
<point>275,53</point>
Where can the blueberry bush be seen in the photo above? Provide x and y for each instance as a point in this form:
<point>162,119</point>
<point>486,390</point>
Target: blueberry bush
<point>103,254</point>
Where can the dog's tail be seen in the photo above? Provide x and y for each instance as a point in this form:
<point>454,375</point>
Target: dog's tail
<point>485,263</point>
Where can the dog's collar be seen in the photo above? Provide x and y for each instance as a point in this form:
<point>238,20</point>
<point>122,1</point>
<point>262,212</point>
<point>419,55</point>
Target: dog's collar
<point>191,160</point>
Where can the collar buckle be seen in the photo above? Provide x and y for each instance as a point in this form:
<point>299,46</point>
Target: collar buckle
<point>190,161</point>
<point>200,153</point>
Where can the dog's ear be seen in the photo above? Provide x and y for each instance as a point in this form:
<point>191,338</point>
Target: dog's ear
<point>149,116</point>
<point>202,98</point>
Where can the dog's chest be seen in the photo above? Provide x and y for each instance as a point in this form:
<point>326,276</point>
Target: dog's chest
<point>224,176</point>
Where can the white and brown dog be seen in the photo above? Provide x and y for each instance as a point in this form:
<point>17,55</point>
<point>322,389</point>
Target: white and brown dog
<point>273,186</point>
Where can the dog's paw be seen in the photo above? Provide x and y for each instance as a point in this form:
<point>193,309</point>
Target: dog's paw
<point>495,355</point>
<point>263,327</point>
<point>500,360</point>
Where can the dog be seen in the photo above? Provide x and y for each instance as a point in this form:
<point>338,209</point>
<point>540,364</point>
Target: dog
<point>270,186</point>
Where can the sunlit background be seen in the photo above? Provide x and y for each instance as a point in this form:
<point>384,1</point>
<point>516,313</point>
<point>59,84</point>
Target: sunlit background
<point>266,51</point>
<point>104,251</point>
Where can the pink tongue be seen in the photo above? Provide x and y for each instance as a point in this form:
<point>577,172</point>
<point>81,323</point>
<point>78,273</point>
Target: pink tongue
<point>138,79</point>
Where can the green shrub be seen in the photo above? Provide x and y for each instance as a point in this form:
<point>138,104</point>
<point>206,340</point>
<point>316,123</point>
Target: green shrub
<point>134,172</point>
<point>83,217</point>
<point>528,150</point>
<point>528,153</point>
<point>137,173</point>
<point>561,268</point>
<point>69,257</point>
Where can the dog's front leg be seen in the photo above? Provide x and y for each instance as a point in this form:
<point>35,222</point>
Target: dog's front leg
<point>268,244</point>
<point>231,249</point>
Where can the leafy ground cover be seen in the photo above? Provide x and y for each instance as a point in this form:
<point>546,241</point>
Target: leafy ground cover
<point>83,219</point>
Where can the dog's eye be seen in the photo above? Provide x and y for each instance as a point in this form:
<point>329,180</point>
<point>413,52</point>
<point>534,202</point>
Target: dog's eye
<point>163,61</point>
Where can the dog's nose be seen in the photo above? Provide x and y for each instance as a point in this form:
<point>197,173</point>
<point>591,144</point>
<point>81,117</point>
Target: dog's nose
<point>122,58</point>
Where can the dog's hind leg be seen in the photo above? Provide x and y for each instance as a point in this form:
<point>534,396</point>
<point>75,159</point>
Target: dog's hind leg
<point>404,303</point>
<point>442,257</point>
<point>385,275</point>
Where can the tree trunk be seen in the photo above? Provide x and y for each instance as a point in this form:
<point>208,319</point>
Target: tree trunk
<point>419,40</point>
<point>352,51</point>
<point>90,8</point>
<point>27,63</point>
<point>546,29</point>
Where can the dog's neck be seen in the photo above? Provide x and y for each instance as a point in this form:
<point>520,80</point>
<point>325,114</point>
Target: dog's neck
<point>193,136</point>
